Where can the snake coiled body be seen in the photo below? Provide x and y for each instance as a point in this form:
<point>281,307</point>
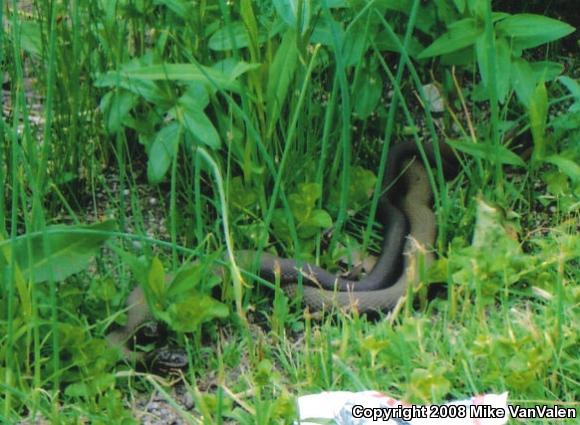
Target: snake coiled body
<point>384,286</point>
<point>416,205</point>
<point>381,289</point>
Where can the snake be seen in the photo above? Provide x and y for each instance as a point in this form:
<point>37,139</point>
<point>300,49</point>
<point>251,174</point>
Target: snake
<point>397,222</point>
<point>409,231</point>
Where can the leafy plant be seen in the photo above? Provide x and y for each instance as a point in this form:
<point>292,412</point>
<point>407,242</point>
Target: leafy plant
<point>169,120</point>
<point>54,254</point>
<point>557,147</point>
<point>26,263</point>
<point>183,301</point>
<point>309,219</point>
<point>467,40</point>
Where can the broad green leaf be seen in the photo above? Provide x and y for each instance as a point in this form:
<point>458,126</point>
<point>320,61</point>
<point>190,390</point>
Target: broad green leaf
<point>59,252</point>
<point>459,5</point>
<point>138,265</point>
<point>327,32</point>
<point>503,60</point>
<point>196,96</point>
<point>503,63</point>
<point>461,34</point>
<point>31,37</point>
<point>523,80</point>
<point>525,76</point>
<point>280,75</point>
<point>429,14</point>
<point>144,88</point>
<point>354,45</point>
<point>427,17</point>
<point>402,6</point>
<point>557,183</point>
<point>240,196</point>
<point>310,192</point>
<point>173,72</point>
<point>255,233</point>
<point>538,114</point>
<point>181,8</point>
<point>444,12</point>
<point>527,30</point>
<point>546,70</point>
<point>229,37</point>
<point>198,125</point>
<point>361,186</point>
<point>488,152</point>
<point>337,3</point>
<point>572,85</point>
<point>98,384</point>
<point>477,8</point>
<point>302,202</point>
<point>384,41</point>
<point>367,93</point>
<point>247,14</point>
<point>104,289</point>
<point>432,382</point>
<point>162,152</point>
<point>280,224</point>
<point>360,189</point>
<point>463,57</point>
<point>300,207</point>
<point>234,68</point>
<point>566,166</point>
<point>116,106</point>
<point>156,288</point>
<point>190,312</point>
<point>294,13</point>
<point>193,277</point>
<point>190,112</point>
<point>318,219</point>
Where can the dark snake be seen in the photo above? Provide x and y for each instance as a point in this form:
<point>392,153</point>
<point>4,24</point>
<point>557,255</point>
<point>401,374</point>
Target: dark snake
<point>384,286</point>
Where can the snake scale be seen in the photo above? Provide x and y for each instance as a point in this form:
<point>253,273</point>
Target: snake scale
<point>382,288</point>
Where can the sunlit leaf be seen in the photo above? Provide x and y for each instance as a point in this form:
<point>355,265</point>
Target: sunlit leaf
<point>162,152</point>
<point>190,312</point>
<point>280,75</point>
<point>567,166</point>
<point>538,114</point>
<point>527,30</point>
<point>367,93</point>
<point>172,72</point>
<point>355,43</point>
<point>229,37</point>
<point>572,85</point>
<point>523,80</point>
<point>58,252</point>
<point>461,34</point>
<point>294,13</point>
<point>319,218</point>
<point>116,106</point>
<point>156,281</point>
<point>180,7</point>
<point>488,152</point>
<point>201,128</point>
